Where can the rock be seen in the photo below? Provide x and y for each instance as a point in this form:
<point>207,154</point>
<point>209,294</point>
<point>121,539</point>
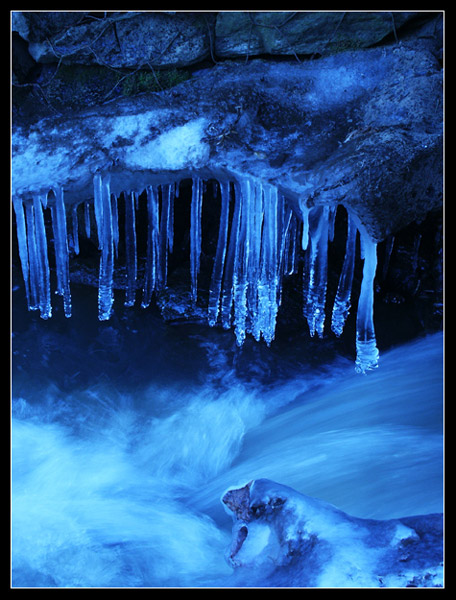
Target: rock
<point>128,40</point>
<point>37,26</point>
<point>359,128</point>
<point>282,538</point>
<point>296,33</point>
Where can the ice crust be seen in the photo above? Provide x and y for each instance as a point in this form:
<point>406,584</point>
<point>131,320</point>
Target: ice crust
<point>284,538</point>
<point>261,240</point>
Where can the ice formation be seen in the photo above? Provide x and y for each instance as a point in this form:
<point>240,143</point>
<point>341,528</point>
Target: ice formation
<point>284,538</point>
<point>261,240</point>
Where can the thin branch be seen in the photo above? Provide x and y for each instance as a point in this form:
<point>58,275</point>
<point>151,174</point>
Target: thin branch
<point>277,28</point>
<point>394,27</point>
<point>287,41</point>
<point>211,41</point>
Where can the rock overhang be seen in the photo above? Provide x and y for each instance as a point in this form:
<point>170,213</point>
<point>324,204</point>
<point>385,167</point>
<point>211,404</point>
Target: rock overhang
<point>359,128</point>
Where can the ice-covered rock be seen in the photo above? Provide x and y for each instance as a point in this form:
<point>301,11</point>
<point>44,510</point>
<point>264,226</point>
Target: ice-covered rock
<point>362,128</point>
<point>293,140</point>
<point>283,538</point>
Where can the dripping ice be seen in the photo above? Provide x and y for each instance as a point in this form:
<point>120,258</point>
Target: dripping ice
<point>261,240</point>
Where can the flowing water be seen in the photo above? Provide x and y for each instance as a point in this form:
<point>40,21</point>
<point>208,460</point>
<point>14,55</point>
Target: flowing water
<point>126,434</point>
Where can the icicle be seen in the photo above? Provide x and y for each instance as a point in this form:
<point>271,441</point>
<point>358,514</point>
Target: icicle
<point>219,261</point>
<point>284,227</point>
<point>169,192</point>
<point>87,219</point>
<point>228,278</point>
<point>59,228</point>
<point>389,245</point>
<point>153,248</point>
<point>241,262</point>
<point>164,233</point>
<point>104,217</point>
<point>32,257</point>
<point>98,206</point>
<point>331,222</point>
<point>341,306</point>
<point>255,225</point>
<point>75,229</point>
<point>290,259</point>
<point>305,223</point>
<point>22,242</point>
<point>269,279</point>
<point>115,223</point>
<point>366,346</point>
<point>314,307</point>
<point>44,292</point>
<point>130,248</point>
<point>195,235</point>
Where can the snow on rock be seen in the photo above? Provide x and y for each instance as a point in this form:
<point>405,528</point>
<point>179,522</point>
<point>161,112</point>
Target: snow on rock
<point>282,538</point>
<point>362,128</point>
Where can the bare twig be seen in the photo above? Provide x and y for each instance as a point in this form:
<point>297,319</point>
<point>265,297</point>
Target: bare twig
<point>211,41</point>
<point>287,41</point>
<point>277,28</point>
<point>252,25</point>
<point>394,27</point>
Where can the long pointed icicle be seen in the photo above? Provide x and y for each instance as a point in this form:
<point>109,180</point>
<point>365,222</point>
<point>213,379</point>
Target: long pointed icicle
<point>130,248</point>
<point>305,210</point>
<point>292,242</point>
<point>44,292</point>
<point>98,206</point>
<point>75,223</point>
<point>219,261</point>
<point>253,266</point>
<point>59,227</point>
<point>314,307</point>
<point>153,249</point>
<point>366,345</point>
<point>228,277</point>
<point>115,223</point>
<point>169,190</point>
<point>164,233</point>
<point>22,243</point>
<point>87,219</point>
<point>285,217</point>
<point>342,305</point>
<point>241,262</point>
<point>195,235</point>
<point>269,278</point>
<point>32,257</point>
<point>103,213</point>
<point>389,245</point>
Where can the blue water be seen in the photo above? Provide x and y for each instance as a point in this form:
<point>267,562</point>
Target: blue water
<point>124,439</point>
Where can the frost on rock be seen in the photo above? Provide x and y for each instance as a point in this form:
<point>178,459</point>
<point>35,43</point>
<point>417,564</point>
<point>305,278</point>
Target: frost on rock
<point>284,538</point>
<point>261,241</point>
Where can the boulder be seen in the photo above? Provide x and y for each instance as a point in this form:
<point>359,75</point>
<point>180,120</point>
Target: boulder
<point>124,40</point>
<point>284,33</point>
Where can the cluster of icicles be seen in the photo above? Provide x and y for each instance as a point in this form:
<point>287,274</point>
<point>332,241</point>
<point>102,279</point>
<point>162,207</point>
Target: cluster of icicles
<point>256,247</point>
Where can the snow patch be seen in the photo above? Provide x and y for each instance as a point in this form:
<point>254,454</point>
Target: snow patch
<point>178,148</point>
